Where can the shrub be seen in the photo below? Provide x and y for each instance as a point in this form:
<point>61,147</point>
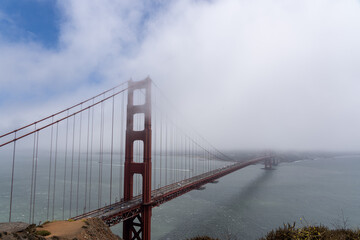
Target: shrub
<point>311,233</point>
<point>43,233</point>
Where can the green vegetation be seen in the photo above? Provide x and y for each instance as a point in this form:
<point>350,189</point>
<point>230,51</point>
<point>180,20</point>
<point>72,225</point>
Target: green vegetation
<point>311,233</point>
<point>42,233</point>
<point>290,232</point>
<point>86,222</point>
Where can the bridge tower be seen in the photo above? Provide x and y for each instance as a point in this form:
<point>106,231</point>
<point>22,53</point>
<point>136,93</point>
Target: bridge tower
<point>138,227</point>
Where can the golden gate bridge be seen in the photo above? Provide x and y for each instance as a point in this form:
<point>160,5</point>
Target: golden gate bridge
<point>114,156</point>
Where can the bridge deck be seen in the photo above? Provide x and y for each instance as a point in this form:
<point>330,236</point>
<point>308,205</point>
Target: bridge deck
<point>120,211</point>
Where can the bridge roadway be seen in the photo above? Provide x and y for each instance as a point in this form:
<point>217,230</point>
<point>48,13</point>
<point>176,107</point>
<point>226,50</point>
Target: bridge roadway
<point>122,210</point>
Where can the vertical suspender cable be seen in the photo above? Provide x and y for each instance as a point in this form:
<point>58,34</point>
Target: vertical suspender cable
<point>171,163</point>
<point>91,154</point>
<point>99,161</point>
<point>166,149</point>
<point>204,157</point>
<point>209,159</point>
<point>154,144</point>
<point>12,176</point>
<point>192,157</point>
<point>50,160</point>
<point>122,135</point>
<point>176,154</point>
<point>32,176</point>
<point>55,163</point>
<point>183,143</point>
<point>160,151</point>
<point>181,152</point>
<point>170,155</point>
<point>87,159</point>
<point>78,166</point>
<point>66,148</point>
<point>112,147</point>
<point>173,153</point>
<point>72,166</point>
<point>199,157</point>
<point>35,175</point>
<point>185,157</point>
<point>197,153</point>
<point>101,155</point>
<point>189,153</point>
<point>195,156</point>
<point>189,147</point>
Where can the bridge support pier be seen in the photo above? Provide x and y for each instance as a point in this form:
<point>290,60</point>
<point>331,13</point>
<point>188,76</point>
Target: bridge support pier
<point>268,163</point>
<point>275,161</point>
<point>138,227</point>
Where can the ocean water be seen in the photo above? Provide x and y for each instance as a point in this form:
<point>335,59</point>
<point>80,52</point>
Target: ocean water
<point>79,184</point>
<point>243,205</point>
<point>252,201</point>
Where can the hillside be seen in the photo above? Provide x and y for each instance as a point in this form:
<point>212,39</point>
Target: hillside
<point>58,230</point>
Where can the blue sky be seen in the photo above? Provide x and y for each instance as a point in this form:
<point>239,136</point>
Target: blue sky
<point>39,20</point>
<point>33,20</point>
<point>29,21</point>
<point>286,71</point>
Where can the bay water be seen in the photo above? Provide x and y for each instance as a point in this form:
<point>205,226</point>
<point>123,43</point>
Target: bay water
<point>243,205</point>
<point>252,201</point>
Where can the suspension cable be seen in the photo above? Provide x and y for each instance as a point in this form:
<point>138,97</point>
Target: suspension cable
<point>65,110</point>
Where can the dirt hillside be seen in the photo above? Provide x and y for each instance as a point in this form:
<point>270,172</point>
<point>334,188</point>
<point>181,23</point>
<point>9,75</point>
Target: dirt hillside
<point>92,228</point>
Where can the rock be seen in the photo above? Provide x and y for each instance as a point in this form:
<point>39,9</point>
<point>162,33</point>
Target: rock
<point>18,231</point>
<point>13,227</point>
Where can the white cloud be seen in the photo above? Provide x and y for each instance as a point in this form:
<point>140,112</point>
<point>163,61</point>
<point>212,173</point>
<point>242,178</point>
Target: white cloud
<point>266,74</point>
<point>261,73</point>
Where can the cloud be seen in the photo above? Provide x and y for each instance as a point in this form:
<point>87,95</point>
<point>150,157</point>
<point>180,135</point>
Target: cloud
<point>261,73</point>
<point>246,74</point>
